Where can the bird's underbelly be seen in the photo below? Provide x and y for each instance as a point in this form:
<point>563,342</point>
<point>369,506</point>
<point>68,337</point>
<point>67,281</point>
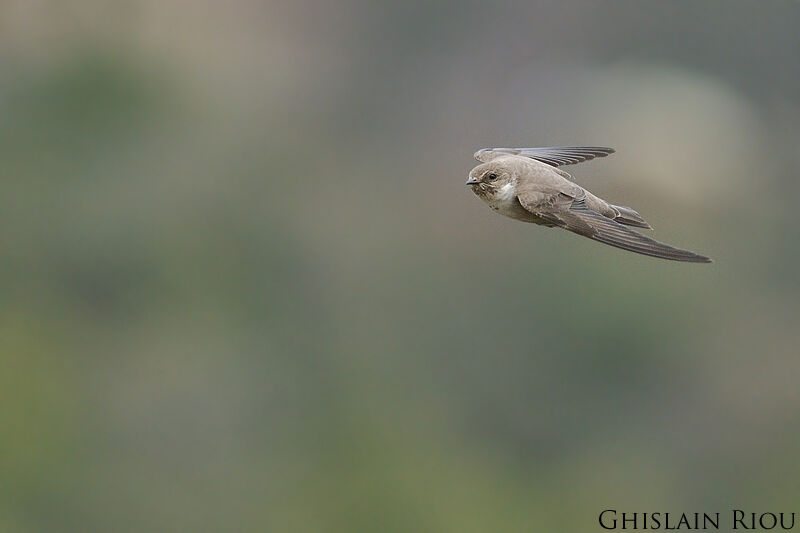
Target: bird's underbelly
<point>511,208</point>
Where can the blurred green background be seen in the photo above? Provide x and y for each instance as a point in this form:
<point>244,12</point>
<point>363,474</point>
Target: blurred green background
<point>245,288</point>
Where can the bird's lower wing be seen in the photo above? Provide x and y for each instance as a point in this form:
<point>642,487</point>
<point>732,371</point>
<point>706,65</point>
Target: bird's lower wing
<point>576,217</point>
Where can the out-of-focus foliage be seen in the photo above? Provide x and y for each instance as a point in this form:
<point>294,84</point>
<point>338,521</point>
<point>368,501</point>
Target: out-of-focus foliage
<point>245,288</point>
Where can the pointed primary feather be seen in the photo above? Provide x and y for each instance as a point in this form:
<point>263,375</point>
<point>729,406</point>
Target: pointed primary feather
<point>573,215</point>
<point>612,233</point>
<point>554,155</point>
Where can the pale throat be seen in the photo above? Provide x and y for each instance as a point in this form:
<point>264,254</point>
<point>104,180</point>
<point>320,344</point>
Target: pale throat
<point>507,192</point>
<point>503,198</point>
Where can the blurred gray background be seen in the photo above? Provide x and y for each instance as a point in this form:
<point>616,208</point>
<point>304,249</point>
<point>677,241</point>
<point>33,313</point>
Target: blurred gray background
<point>245,288</point>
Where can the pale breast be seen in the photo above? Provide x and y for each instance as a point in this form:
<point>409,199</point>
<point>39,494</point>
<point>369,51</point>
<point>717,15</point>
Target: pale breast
<point>504,201</point>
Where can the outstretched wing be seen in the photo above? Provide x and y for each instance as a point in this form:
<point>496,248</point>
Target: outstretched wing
<point>573,215</point>
<point>554,156</point>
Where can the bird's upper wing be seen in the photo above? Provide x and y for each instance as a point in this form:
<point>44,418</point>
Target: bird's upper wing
<point>572,214</point>
<point>553,156</point>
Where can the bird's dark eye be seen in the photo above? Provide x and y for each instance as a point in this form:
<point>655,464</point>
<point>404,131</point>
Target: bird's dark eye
<point>491,176</point>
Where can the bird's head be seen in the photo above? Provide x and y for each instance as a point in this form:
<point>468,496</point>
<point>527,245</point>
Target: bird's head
<point>489,179</point>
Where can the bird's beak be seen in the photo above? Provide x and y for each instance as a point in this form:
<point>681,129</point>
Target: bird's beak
<point>472,181</point>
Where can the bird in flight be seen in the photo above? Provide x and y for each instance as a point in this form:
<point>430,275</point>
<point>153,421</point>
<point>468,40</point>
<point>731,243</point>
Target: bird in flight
<point>527,184</point>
